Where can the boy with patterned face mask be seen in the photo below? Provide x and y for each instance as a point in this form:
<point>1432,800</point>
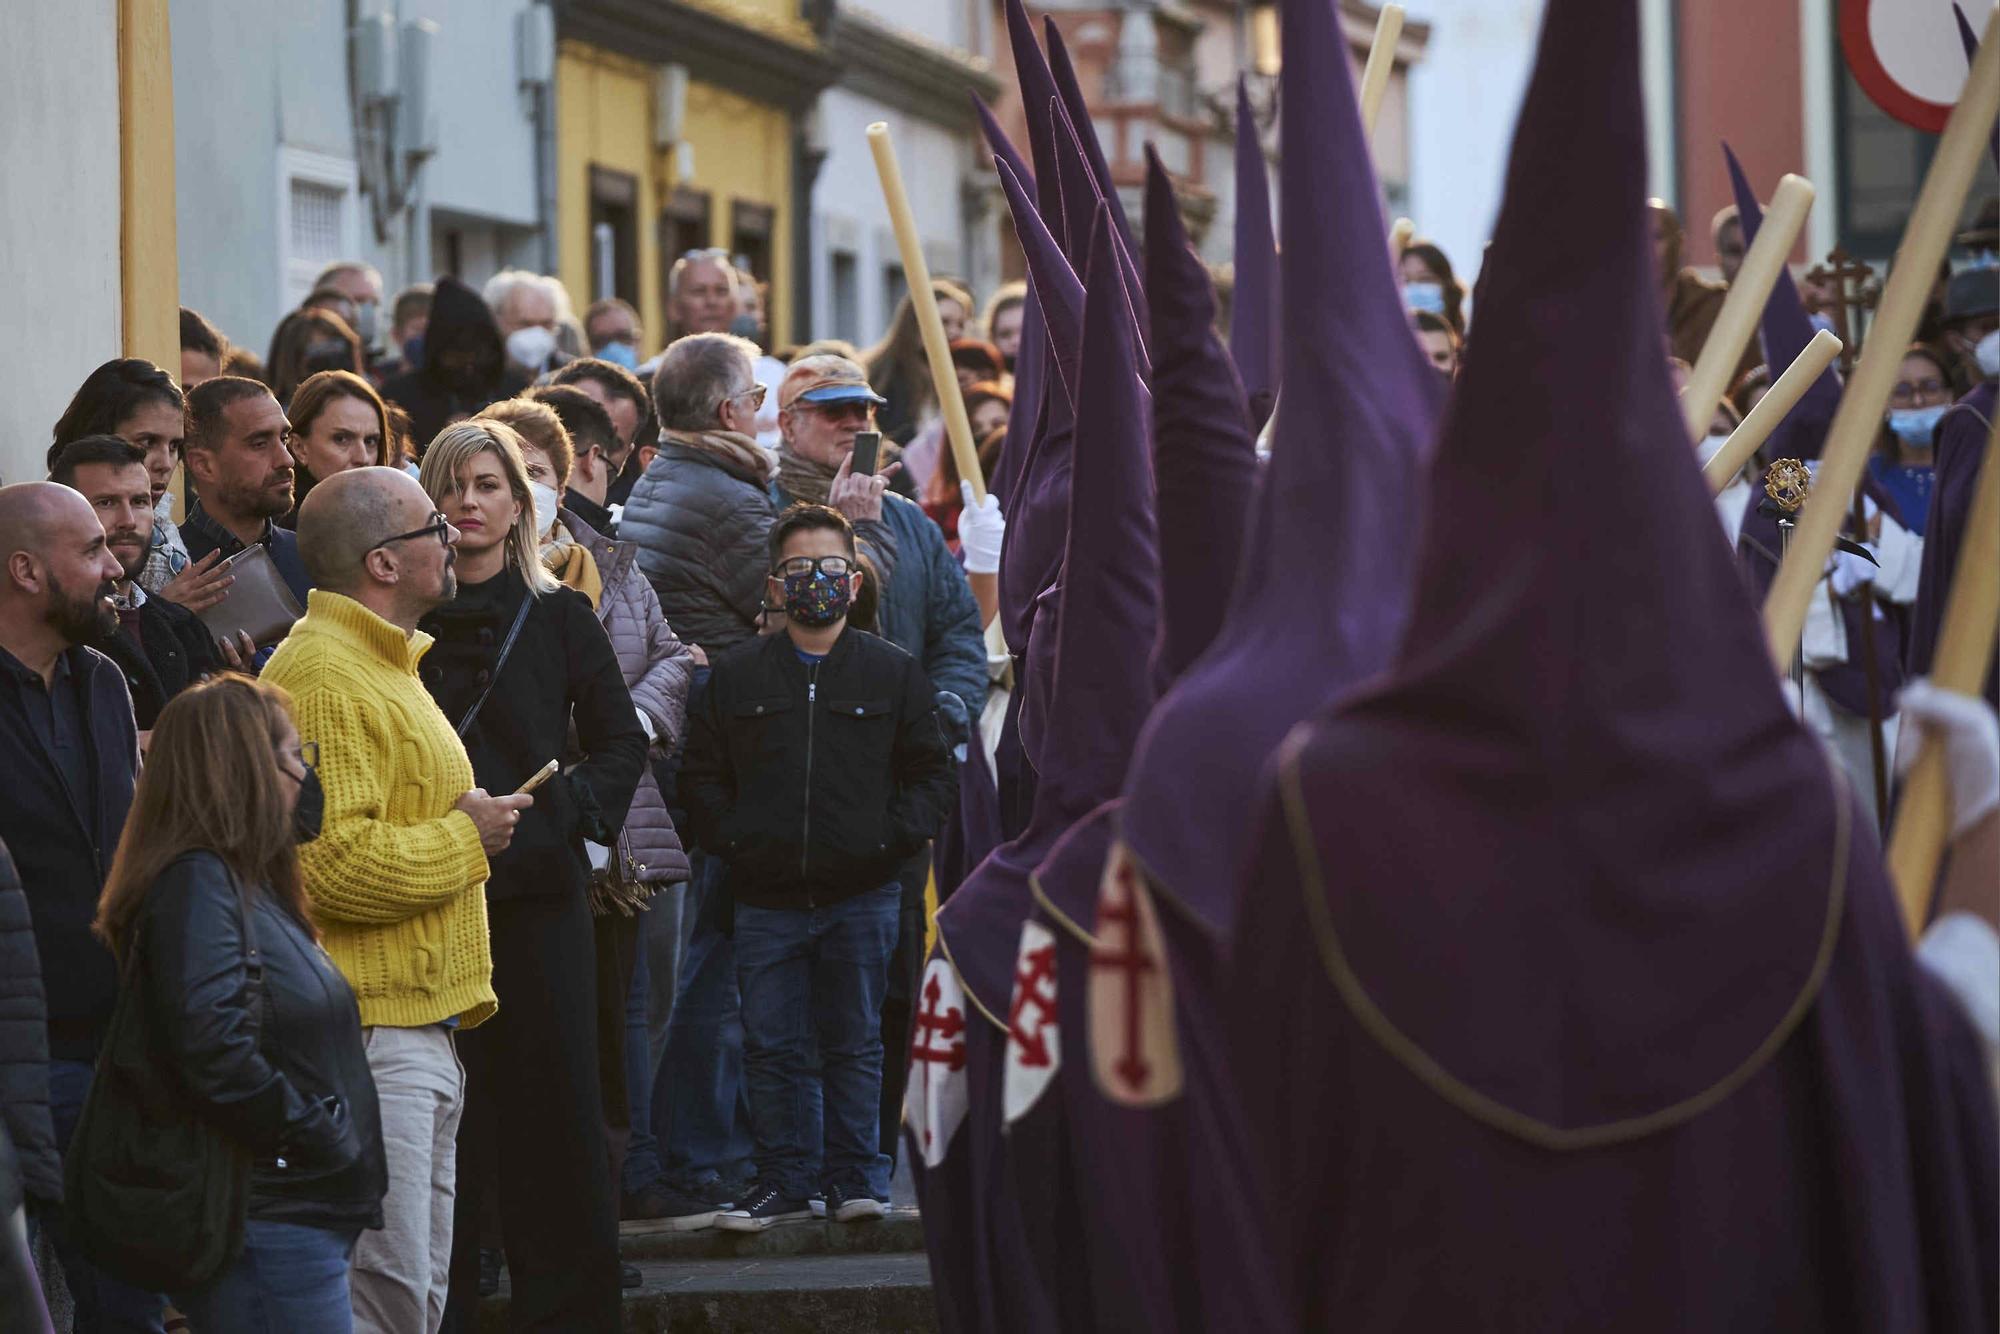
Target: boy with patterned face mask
<point>815,767</point>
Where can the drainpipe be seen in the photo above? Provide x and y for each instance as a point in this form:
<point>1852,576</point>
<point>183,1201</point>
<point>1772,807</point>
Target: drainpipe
<point>809,152</point>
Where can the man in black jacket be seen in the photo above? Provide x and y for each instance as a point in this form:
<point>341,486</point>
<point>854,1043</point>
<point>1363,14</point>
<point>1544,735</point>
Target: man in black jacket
<point>162,647</point>
<point>815,766</point>
<point>69,752</point>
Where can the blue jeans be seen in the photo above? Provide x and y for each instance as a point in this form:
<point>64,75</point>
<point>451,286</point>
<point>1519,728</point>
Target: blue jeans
<point>813,979</point>
<point>290,1279</point>
<point>103,1304</point>
<point>699,1112</point>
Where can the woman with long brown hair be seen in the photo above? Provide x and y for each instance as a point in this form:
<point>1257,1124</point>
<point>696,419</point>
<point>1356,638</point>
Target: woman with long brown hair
<point>307,342</point>
<point>206,877</point>
<point>899,371</point>
<point>338,422</point>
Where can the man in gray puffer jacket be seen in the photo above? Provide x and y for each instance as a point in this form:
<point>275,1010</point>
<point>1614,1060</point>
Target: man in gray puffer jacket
<point>701,512</point>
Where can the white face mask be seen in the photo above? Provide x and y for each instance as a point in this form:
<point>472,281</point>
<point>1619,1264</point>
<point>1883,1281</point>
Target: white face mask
<point>546,501</point>
<point>1987,353</point>
<point>530,346</point>
<point>1710,447</point>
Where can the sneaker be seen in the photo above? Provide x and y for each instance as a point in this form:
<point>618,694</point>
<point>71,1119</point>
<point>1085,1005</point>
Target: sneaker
<point>762,1207</point>
<point>629,1277</point>
<point>719,1194</point>
<point>818,1205</point>
<point>680,1211</point>
<point>849,1206</point>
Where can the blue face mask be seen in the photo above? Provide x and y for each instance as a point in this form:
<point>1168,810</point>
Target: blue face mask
<point>620,353</point>
<point>1427,297</point>
<point>1914,426</point>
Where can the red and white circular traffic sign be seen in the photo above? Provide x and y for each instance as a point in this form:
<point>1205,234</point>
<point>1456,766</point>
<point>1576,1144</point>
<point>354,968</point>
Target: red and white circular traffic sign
<point>1907,55</point>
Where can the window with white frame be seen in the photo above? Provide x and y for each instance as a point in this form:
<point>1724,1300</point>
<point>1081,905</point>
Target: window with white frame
<point>318,218</point>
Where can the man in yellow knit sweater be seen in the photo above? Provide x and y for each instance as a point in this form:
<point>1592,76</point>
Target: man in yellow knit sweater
<point>398,872</point>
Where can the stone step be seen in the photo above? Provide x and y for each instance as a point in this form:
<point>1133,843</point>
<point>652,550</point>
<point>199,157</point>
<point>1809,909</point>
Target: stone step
<point>901,1231</point>
<point>792,1294</point>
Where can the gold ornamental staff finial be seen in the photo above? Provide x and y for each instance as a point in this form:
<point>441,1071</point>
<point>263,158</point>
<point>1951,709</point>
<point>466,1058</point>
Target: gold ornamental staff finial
<point>1788,483</point>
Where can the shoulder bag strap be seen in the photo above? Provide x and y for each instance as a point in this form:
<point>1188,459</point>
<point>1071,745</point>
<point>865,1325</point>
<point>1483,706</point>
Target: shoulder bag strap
<point>506,647</point>
<point>253,960</point>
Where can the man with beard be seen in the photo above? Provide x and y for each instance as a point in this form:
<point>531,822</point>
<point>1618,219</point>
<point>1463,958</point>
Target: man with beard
<point>70,751</point>
<point>398,873</point>
<point>162,648</point>
<point>239,450</point>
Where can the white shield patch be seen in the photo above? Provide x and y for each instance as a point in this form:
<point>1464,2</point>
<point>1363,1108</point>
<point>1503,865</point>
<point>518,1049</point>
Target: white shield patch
<point>1034,1043</point>
<point>1134,1048</point>
<point>937,1098</point>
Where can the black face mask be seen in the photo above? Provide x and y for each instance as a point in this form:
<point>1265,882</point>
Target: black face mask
<point>311,810</point>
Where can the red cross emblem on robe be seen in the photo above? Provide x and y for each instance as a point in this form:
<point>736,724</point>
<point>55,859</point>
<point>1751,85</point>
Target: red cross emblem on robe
<point>1034,1043</point>
<point>1134,1049</point>
<point>937,1097</point>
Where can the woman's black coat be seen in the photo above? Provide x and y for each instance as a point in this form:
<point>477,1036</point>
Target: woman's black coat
<point>296,1092</point>
<point>562,670</point>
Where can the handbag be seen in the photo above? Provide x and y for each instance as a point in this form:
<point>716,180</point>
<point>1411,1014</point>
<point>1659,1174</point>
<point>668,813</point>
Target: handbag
<point>156,1195</point>
<point>506,647</point>
<point>260,603</point>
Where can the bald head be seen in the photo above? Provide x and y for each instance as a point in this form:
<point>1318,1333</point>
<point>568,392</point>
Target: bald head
<point>32,514</point>
<point>60,574</point>
<point>350,513</point>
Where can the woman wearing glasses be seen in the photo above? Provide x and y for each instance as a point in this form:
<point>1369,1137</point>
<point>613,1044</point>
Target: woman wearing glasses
<point>206,874</point>
<point>520,664</point>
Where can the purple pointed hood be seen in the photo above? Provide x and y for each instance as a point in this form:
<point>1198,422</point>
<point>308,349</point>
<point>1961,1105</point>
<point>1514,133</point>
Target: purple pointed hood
<point>1081,200</point>
<point>1324,585</point>
<point>1784,332</point>
<point>1038,499</point>
<point>1078,113</point>
<point>1576,829</point>
<point>1204,457</point>
<point>1089,667</point>
<point>1055,281</point>
<point>1253,307</point>
<point>1038,89</point>
<point>1029,361</point>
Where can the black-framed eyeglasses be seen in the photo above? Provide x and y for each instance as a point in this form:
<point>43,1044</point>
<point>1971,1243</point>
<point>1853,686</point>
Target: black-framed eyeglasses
<point>439,527</point>
<point>833,567</point>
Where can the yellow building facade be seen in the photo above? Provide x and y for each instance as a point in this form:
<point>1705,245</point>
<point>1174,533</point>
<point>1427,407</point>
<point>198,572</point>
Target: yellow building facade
<point>678,127</point>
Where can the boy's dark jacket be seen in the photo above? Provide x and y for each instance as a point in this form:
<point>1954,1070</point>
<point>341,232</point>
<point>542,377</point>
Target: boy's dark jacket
<point>815,782</point>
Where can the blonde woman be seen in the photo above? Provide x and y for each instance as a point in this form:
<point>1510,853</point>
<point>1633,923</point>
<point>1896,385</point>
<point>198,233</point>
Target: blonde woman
<point>518,661</point>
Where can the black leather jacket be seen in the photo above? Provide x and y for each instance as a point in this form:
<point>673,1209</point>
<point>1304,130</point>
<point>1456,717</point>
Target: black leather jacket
<point>816,783</point>
<point>298,1095</point>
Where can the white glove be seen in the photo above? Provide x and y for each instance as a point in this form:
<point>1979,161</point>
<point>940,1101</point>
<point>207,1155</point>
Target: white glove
<point>1970,734</point>
<point>981,530</point>
<point>1849,572</point>
<point>646,725</point>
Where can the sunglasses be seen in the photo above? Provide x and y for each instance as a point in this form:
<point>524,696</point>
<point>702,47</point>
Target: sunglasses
<point>439,527</point>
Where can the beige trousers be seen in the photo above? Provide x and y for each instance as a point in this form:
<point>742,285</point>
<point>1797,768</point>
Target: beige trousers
<point>401,1272</point>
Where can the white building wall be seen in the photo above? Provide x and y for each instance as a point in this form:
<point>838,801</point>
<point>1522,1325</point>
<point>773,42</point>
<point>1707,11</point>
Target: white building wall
<point>264,131</point>
<point>59,216</point>
<point>1464,96</point>
<point>850,220</point>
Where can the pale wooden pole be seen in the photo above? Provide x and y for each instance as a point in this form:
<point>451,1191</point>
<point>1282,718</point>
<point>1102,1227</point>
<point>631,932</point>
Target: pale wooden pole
<point>1381,63</point>
<point>1779,399</point>
<point>1964,655</point>
<point>937,349</point>
<point>1859,417</point>
<point>149,267</point>
<point>1737,320</point>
